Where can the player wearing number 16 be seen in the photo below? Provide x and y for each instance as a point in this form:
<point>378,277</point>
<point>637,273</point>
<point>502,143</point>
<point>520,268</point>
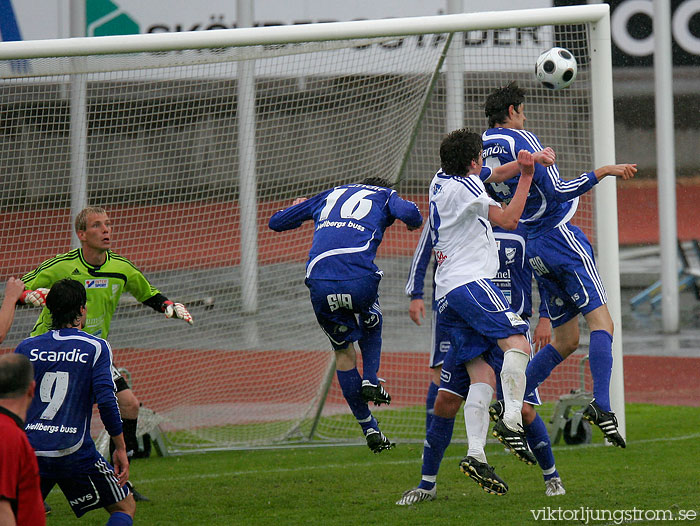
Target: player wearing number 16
<point>343,280</point>
<point>73,370</point>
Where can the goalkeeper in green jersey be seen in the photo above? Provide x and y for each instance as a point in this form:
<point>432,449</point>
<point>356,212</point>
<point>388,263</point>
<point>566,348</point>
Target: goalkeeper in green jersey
<point>106,276</point>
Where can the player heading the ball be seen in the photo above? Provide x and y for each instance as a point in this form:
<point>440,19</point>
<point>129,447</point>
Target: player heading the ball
<point>558,252</point>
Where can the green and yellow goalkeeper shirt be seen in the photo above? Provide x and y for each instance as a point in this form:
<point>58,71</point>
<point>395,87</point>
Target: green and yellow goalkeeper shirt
<point>104,285</point>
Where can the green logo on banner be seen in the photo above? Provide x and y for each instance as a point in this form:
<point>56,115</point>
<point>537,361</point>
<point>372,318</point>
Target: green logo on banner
<point>104,17</point>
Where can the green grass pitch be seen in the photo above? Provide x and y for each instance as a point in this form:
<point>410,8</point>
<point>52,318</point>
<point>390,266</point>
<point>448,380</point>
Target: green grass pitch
<point>348,485</point>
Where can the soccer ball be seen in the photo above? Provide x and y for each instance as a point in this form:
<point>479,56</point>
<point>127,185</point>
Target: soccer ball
<point>556,68</point>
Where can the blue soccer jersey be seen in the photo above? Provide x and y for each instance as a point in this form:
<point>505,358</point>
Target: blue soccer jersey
<point>514,277</point>
<point>349,223</point>
<point>72,370</point>
<point>551,201</point>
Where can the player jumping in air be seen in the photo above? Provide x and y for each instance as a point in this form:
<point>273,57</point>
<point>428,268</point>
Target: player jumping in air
<point>514,279</point>
<point>559,253</point>
<point>343,281</point>
<point>474,311</point>
<point>416,277</point>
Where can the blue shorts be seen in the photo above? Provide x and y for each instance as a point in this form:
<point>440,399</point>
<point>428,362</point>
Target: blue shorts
<point>86,485</point>
<point>477,307</point>
<point>454,377</point>
<point>339,304</point>
<point>440,342</point>
<point>564,265</point>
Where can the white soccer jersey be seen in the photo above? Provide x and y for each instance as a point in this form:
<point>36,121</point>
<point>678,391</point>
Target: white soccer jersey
<point>465,248</point>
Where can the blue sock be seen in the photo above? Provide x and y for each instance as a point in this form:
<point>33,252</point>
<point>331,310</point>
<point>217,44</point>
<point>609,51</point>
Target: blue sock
<point>538,440</point>
<point>600,360</point>
<point>120,519</point>
<point>541,366</point>
<point>351,385</point>
<point>371,348</point>
<point>437,438</point>
<point>430,404</point>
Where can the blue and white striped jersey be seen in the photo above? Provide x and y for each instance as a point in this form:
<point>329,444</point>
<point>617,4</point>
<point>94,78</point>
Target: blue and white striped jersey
<point>72,370</point>
<point>463,241</point>
<point>551,201</point>
<point>514,276</point>
<point>349,224</point>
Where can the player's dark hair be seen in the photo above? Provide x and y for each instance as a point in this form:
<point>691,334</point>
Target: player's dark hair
<point>458,150</point>
<point>376,181</point>
<point>81,218</point>
<point>16,373</point>
<point>498,102</point>
<point>64,301</point>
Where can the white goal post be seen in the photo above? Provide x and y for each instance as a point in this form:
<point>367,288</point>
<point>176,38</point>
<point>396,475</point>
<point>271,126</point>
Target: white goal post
<point>153,128</point>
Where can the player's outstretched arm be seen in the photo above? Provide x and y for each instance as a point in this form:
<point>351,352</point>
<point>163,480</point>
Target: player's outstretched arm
<point>120,459</point>
<point>160,303</point>
<point>13,290</point>
<point>509,216</point>
<point>292,217</point>
<point>177,310</point>
<point>405,210</point>
<point>626,171</point>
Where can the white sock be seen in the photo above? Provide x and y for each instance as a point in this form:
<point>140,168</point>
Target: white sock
<point>476,419</point>
<point>513,384</point>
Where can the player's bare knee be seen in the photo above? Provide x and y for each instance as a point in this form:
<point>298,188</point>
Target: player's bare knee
<point>516,342</point>
<point>126,505</point>
<point>600,320</point>
<point>528,413</point>
<point>481,372</point>
<point>603,325</point>
<point>345,359</point>
<point>567,347</point>
<point>447,405</point>
<point>566,342</point>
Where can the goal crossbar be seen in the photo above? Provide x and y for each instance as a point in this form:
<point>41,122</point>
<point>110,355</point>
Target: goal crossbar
<point>271,35</point>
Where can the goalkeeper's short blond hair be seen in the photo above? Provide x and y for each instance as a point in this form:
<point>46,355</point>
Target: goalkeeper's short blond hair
<point>81,218</point>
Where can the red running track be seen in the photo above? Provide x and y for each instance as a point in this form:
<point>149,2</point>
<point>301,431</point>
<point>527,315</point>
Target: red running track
<point>167,378</point>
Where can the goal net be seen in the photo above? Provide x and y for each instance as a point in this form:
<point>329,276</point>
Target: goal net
<point>192,143</point>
